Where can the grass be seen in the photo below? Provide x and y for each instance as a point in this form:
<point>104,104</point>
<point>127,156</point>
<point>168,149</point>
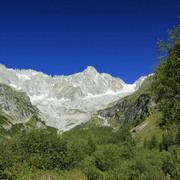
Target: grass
<point>150,128</point>
<point>7,128</point>
<point>5,124</point>
<point>5,116</point>
<point>70,124</point>
<point>51,129</point>
<point>73,174</point>
<point>94,121</point>
<point>32,122</point>
<point>114,123</point>
<point>133,97</point>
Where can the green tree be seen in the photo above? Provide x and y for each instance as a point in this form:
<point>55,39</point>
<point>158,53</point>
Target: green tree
<point>91,142</point>
<point>166,81</point>
<point>177,139</point>
<point>153,142</point>
<point>145,143</point>
<point>165,143</point>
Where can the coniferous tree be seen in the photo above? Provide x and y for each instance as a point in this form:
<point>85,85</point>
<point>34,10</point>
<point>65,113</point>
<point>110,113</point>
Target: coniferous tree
<point>145,143</point>
<point>164,142</point>
<point>153,142</point>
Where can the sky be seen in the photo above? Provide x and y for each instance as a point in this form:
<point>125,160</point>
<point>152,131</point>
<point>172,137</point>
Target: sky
<point>63,37</point>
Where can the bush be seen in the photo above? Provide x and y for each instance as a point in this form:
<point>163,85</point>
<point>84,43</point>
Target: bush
<point>91,171</point>
<point>107,157</point>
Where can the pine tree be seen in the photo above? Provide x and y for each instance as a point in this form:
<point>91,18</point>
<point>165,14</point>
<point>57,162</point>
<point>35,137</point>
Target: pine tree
<point>165,143</point>
<point>145,143</point>
<point>153,142</point>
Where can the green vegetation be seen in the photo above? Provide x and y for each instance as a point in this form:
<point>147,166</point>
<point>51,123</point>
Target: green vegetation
<point>133,97</point>
<point>94,153</point>
<point>166,81</point>
<point>7,128</point>
<point>148,128</point>
<point>114,123</point>
<point>133,109</point>
<point>32,123</point>
<point>20,99</point>
<point>10,127</point>
<point>94,121</point>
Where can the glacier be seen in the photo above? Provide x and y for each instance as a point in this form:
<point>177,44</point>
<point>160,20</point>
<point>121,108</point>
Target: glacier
<point>67,101</point>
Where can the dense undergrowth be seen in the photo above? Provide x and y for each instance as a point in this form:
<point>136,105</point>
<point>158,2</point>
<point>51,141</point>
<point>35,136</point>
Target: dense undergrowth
<point>94,153</point>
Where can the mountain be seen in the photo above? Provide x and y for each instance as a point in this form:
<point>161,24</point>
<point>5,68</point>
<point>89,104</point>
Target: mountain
<point>66,101</point>
<point>16,104</point>
<point>134,108</point>
<point>17,112</point>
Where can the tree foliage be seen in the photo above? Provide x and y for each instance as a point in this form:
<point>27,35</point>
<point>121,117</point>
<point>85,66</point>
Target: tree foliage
<point>166,83</point>
<point>94,153</point>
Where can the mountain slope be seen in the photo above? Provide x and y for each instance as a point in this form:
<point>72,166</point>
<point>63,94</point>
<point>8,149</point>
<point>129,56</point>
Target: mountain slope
<point>148,128</point>
<point>16,104</point>
<point>16,111</point>
<point>66,101</point>
<point>8,125</point>
<point>133,108</point>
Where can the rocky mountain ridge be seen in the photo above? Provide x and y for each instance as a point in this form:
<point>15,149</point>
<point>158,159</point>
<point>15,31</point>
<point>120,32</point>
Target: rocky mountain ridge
<point>66,101</point>
<point>79,85</point>
<point>16,104</point>
<point>17,112</point>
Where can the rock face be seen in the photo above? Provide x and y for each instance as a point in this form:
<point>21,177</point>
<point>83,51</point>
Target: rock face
<point>66,101</point>
<point>134,107</point>
<point>79,85</point>
<point>129,109</point>
<point>16,104</point>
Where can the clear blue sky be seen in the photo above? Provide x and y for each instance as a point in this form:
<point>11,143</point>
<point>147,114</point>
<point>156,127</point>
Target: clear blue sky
<point>64,36</point>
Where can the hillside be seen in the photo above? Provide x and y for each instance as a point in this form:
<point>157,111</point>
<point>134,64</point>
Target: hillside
<point>132,109</point>
<point>148,128</point>
<point>17,112</point>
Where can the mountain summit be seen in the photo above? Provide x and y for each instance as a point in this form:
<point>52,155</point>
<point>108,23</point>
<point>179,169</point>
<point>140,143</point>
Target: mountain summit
<point>90,70</point>
<point>65,100</point>
<point>79,85</point>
